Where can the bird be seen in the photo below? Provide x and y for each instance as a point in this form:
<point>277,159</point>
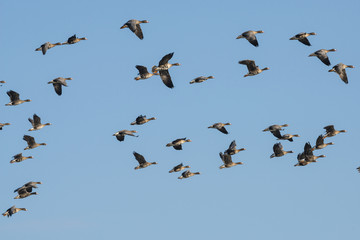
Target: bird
<point>177,144</point>
<point>143,72</point>
<point>3,124</point>
<point>309,155</point>
<point>12,211</point>
<point>252,68</point>
<point>200,79</point>
<point>134,26</point>
<point>28,184</point>
<point>36,123</point>
<point>142,162</point>
<point>278,151</point>
<point>163,69</point>
<point>47,46</point>
<point>330,131</point>
<point>31,142</point>
<point>320,143</point>
<point>228,163</point>
<point>302,37</point>
<point>301,160</point>
<point>250,36</point>
<point>19,158</point>
<point>289,137</point>
<point>322,55</point>
<point>220,127</point>
<point>275,127</point>
<point>140,120</point>
<point>340,69</point>
<point>188,174</point>
<point>73,39</point>
<point>120,135</point>
<point>232,149</point>
<point>15,98</point>
<point>178,168</point>
<point>24,192</point>
<point>58,82</point>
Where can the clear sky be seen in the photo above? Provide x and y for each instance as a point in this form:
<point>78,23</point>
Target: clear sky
<point>90,189</point>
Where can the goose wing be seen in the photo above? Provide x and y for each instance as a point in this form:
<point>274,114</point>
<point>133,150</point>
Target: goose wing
<point>277,134</point>
<point>37,120</point>
<point>166,78</point>
<point>140,158</point>
<point>250,64</point>
<point>142,69</point>
<point>305,41</point>
<point>29,139</point>
<point>278,148</point>
<point>320,140</point>
<point>14,96</point>
<point>166,59</point>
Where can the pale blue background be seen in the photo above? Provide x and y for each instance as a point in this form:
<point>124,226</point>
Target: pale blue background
<point>90,189</point>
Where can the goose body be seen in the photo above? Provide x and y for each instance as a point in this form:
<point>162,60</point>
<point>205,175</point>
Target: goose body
<point>163,69</point>
<point>177,144</point>
<point>250,36</point>
<point>331,132</point>
<point>178,168</point>
<point>46,46</point>
<point>73,39</point>
<point>200,79</point>
<point>15,98</point>
<point>19,158</point>
<point>188,174</point>
<point>143,73</point>
<point>302,37</point>
<point>322,55</point>
<point>340,69</point>
<point>227,160</point>
<point>142,162</point>
<point>232,149</point>
<point>279,151</point>
<point>140,120</point>
<point>12,211</point>
<point>120,135</point>
<point>289,137</point>
<point>220,127</point>
<point>31,142</point>
<point>36,123</point>
<point>58,83</point>
<point>134,26</point>
<point>273,128</point>
<point>309,155</point>
<point>320,143</point>
<point>252,68</point>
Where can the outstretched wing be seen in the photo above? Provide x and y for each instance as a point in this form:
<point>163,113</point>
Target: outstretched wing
<point>277,148</point>
<point>58,88</point>
<point>29,139</point>
<point>140,158</point>
<point>305,41</point>
<point>223,130</point>
<point>142,69</point>
<point>252,39</point>
<point>329,128</point>
<point>13,95</point>
<point>37,119</point>
<point>165,77</point>
<point>277,134</point>
<point>165,59</point>
<point>320,140</point>
<point>250,64</point>
<point>138,31</point>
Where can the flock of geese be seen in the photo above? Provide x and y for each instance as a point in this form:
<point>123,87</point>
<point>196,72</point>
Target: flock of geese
<point>162,69</point>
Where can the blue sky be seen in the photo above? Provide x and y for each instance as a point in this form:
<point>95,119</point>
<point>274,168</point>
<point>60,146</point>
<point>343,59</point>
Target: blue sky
<point>90,188</point>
